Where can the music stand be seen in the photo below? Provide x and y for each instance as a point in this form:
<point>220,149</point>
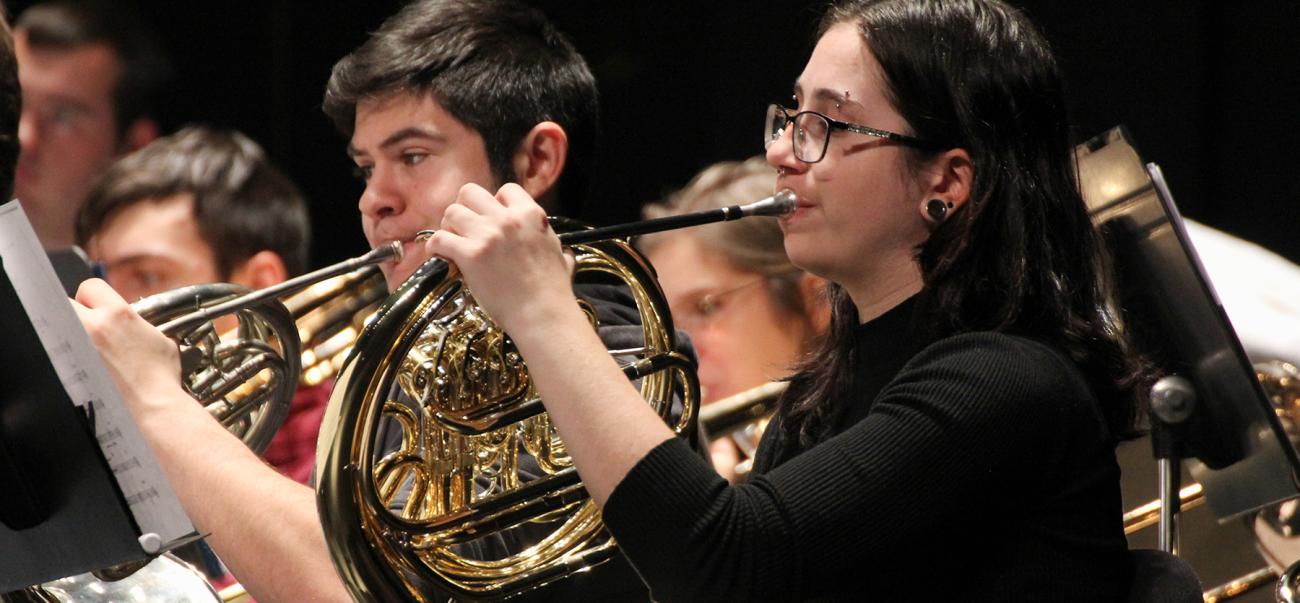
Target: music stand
<point>79,488</point>
<point>61,513</point>
<point>1210,407</point>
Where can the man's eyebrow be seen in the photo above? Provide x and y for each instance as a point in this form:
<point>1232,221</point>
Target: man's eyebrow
<point>401,136</point>
<point>134,259</point>
<point>67,102</point>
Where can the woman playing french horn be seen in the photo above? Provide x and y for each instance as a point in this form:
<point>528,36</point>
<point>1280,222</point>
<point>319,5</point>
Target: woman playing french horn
<point>956,432</point>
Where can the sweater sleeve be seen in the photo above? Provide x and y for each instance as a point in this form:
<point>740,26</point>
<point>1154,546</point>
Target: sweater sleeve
<point>966,418</point>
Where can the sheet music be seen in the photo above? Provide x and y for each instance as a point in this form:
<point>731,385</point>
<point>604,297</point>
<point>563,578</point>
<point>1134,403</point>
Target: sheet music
<point>83,374</point>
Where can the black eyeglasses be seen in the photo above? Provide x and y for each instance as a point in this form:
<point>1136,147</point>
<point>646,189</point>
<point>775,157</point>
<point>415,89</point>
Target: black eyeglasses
<point>812,132</point>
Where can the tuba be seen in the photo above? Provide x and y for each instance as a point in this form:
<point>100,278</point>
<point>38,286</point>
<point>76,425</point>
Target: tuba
<point>440,472</point>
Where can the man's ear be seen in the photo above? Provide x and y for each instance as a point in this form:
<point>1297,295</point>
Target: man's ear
<point>141,132</point>
<point>948,181</point>
<point>540,160</point>
<point>262,270</point>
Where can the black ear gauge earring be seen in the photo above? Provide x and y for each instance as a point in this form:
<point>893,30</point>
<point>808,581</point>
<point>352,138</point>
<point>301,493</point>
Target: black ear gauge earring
<point>937,209</point>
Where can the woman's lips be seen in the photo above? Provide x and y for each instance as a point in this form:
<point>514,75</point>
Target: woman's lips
<point>801,208</point>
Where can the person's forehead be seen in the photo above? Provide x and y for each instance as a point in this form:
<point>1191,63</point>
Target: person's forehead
<point>688,266</point>
<point>161,225</point>
<point>88,71</point>
<point>380,118</point>
<point>839,69</point>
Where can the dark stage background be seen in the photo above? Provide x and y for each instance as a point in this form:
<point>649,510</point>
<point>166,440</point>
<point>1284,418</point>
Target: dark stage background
<point>1206,88</point>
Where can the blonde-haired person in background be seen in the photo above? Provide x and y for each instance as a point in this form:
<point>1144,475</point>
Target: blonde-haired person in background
<point>750,312</point>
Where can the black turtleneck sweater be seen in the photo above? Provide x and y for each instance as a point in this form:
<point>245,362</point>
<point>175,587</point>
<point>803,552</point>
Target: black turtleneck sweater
<point>975,467</point>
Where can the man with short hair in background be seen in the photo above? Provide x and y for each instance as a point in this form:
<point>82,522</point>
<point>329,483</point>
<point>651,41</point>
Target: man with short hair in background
<point>205,206</point>
<point>91,72</point>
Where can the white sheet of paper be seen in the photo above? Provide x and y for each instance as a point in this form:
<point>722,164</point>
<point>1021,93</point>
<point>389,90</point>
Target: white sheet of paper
<point>79,366</point>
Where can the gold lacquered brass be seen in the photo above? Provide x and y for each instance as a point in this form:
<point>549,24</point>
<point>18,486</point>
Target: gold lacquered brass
<point>442,474</point>
<point>1281,383</point>
<point>1241,586</point>
<point>742,418</point>
<point>1147,515</point>
<point>330,316</point>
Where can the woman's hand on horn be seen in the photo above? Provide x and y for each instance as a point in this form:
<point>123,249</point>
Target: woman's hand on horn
<point>510,257</point>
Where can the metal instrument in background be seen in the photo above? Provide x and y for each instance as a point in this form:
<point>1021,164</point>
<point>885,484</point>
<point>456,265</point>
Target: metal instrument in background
<point>1281,383</point>
<point>246,377</point>
<point>246,381</point>
<point>440,471</point>
<point>742,418</point>
<point>165,578</point>
<point>330,315</point>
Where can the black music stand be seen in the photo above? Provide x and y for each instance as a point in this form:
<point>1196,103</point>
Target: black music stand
<point>61,512</point>
<point>1210,407</point>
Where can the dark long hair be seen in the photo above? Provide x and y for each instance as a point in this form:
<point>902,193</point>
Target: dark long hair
<point>1021,256</point>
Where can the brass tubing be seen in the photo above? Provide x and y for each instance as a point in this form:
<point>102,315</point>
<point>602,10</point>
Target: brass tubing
<point>379,254</point>
<point>1148,514</point>
<point>1241,585</point>
<point>724,416</point>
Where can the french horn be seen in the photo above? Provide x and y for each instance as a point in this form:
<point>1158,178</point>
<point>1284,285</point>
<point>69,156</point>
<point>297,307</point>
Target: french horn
<point>245,375</point>
<point>245,380</point>
<point>439,472</point>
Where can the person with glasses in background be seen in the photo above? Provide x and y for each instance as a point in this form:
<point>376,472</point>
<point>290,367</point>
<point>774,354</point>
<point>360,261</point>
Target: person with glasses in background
<point>973,382</point>
<point>94,78</point>
<point>750,313</point>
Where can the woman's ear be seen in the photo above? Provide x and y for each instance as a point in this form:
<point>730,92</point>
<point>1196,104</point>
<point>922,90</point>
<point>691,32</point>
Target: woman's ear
<point>262,270</point>
<point>540,159</point>
<point>947,185</point>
